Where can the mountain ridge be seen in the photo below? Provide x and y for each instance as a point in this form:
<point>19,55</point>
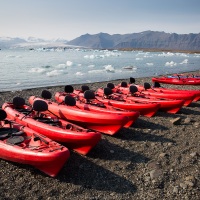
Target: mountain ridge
<point>150,40</point>
<point>142,40</point>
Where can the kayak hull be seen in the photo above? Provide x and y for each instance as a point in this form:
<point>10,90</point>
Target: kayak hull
<point>93,106</point>
<point>175,91</point>
<point>147,109</point>
<point>49,156</point>
<point>177,81</point>
<point>150,93</point>
<point>166,105</point>
<point>103,122</point>
<point>74,137</point>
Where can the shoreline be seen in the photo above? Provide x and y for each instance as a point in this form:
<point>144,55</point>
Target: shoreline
<point>101,82</point>
<point>153,159</point>
<point>160,50</point>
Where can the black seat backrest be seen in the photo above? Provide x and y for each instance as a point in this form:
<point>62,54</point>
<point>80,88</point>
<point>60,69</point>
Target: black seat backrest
<point>40,106</point>
<point>84,88</point>
<point>3,115</point>
<point>124,84</point>
<point>18,101</point>
<point>46,94</point>
<point>156,85</point>
<point>70,101</point>
<point>133,89</point>
<point>107,91</point>
<point>147,86</point>
<point>88,94</point>
<point>69,89</point>
<point>132,80</point>
<point>111,85</point>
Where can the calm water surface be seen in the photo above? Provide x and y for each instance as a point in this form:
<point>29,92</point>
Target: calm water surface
<point>24,68</point>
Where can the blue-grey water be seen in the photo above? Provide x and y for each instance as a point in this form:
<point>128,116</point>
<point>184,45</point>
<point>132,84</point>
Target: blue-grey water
<point>24,68</point>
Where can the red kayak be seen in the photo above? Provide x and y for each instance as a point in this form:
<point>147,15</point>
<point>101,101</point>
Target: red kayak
<point>177,80</point>
<point>86,100</point>
<point>104,122</point>
<point>106,96</point>
<point>22,145</point>
<point>157,87</point>
<point>148,92</point>
<point>186,75</point>
<point>166,105</point>
<point>75,137</point>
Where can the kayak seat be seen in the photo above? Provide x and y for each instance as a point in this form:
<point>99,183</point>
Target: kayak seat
<point>111,86</point>
<point>132,80</point>
<point>40,106</point>
<point>89,95</point>
<point>156,85</point>
<point>48,121</point>
<point>15,140</point>
<point>9,132</point>
<point>124,84</point>
<point>23,110</point>
<point>46,94</point>
<point>18,102</point>
<point>107,91</point>
<point>70,101</point>
<point>133,89</point>
<point>69,89</point>
<point>84,88</point>
<point>147,86</point>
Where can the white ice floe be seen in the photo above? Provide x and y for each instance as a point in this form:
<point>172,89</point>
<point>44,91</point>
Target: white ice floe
<point>96,71</point>
<point>148,56</point>
<point>89,56</point>
<point>91,66</point>
<point>139,59</point>
<point>168,54</point>
<point>112,54</point>
<point>54,72</point>
<point>104,54</point>
<point>149,64</point>
<point>171,64</point>
<point>37,70</point>
<point>79,74</point>
<point>182,54</point>
<point>197,55</point>
<point>184,62</point>
<point>109,68</point>
<point>86,56</point>
<point>61,66</point>
<point>10,56</point>
<point>69,63</point>
<point>129,67</point>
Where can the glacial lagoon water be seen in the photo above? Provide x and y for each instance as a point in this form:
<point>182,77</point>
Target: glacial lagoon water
<point>24,68</point>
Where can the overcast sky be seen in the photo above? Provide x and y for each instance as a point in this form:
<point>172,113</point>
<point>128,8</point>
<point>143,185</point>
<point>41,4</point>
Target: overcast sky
<point>68,19</point>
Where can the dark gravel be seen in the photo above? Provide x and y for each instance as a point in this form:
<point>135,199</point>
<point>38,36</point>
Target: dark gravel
<point>153,159</point>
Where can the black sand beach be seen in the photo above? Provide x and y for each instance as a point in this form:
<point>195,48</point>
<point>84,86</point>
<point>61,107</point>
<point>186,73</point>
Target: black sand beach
<point>153,159</point>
